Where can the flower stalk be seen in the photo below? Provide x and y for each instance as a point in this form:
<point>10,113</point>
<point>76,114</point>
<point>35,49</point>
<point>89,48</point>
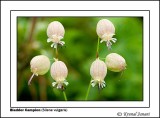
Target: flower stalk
<point>97,53</point>
<point>64,94</point>
<point>89,87</point>
<point>59,71</point>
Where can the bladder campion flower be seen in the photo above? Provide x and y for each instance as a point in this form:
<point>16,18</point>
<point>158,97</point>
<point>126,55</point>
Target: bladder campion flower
<point>55,33</point>
<point>59,73</point>
<point>115,62</point>
<point>98,72</point>
<point>105,30</point>
<point>39,66</point>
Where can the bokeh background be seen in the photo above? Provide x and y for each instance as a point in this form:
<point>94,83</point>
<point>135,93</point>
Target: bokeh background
<point>78,54</point>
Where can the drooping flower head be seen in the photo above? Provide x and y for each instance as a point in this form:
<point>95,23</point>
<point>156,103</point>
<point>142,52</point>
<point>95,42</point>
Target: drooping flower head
<point>39,66</point>
<point>98,71</point>
<point>105,30</point>
<point>115,62</point>
<point>55,33</point>
<point>59,73</point>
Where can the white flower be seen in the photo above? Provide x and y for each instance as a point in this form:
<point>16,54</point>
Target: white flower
<point>105,30</point>
<point>98,72</point>
<point>39,66</point>
<point>59,73</point>
<point>55,33</point>
<point>115,62</point>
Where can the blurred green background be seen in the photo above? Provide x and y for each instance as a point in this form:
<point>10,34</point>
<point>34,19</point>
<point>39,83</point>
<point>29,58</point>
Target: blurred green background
<point>78,54</point>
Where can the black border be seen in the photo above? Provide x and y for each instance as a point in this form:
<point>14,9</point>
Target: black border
<point>84,101</point>
<point>80,0</point>
<point>0,59</point>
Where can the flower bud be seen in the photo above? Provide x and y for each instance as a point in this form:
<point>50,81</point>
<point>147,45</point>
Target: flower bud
<point>39,66</point>
<point>115,62</point>
<point>98,72</point>
<point>59,73</point>
<point>105,30</point>
<point>55,33</point>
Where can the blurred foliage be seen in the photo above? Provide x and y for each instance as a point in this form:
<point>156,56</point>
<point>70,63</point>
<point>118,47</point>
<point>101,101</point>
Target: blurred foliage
<point>78,54</point>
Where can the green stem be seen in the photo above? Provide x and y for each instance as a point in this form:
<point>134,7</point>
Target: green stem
<point>102,58</point>
<point>57,52</point>
<point>64,94</point>
<point>89,87</point>
<point>97,53</point>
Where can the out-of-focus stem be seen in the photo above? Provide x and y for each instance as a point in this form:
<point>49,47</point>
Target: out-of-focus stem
<point>34,19</point>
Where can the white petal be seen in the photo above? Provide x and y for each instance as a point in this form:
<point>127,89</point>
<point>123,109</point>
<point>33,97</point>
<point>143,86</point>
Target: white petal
<point>55,45</point>
<point>93,83</point>
<point>114,40</point>
<point>62,42</point>
<point>102,41</point>
<point>103,85</point>
<point>66,83</point>
<point>109,44</point>
<point>59,86</point>
<point>49,40</point>
<point>54,84</point>
<point>99,85</point>
<point>52,44</point>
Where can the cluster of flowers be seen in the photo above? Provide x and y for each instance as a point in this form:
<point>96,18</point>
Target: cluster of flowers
<point>41,64</point>
<point>105,30</point>
<point>113,61</point>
